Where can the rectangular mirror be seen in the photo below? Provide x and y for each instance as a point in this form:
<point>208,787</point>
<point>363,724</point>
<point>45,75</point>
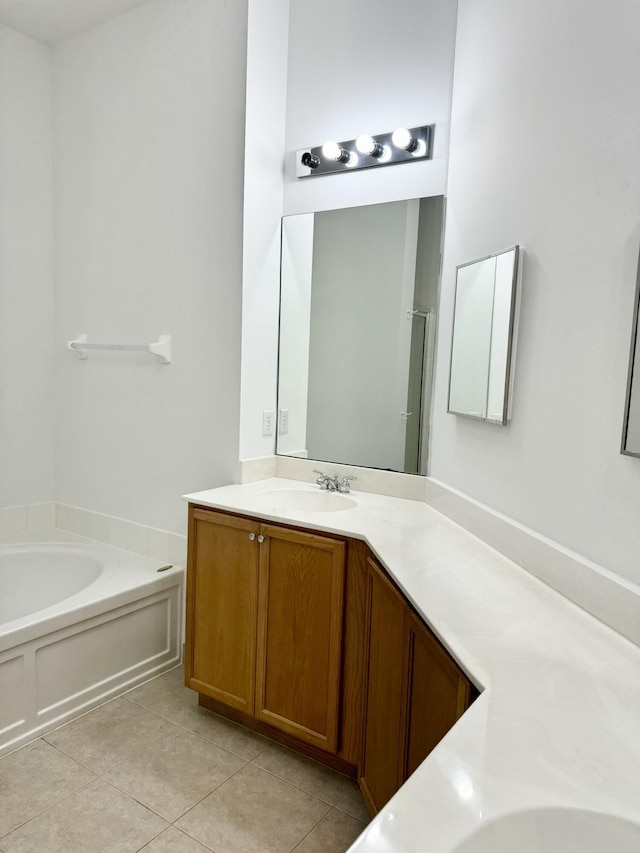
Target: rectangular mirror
<point>482,351</point>
<point>359,290</point>
<point>631,427</point>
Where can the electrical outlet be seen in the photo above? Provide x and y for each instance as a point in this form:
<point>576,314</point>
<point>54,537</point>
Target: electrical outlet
<point>268,421</point>
<point>283,424</point>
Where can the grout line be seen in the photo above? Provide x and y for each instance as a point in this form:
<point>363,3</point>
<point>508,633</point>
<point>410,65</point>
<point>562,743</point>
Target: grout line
<point>100,773</point>
<point>176,730</point>
<point>52,805</point>
<point>315,826</point>
<point>203,737</point>
<point>293,784</point>
<point>228,779</point>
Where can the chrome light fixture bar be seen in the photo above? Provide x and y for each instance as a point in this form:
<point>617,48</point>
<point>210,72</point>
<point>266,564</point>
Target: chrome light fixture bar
<point>403,145</point>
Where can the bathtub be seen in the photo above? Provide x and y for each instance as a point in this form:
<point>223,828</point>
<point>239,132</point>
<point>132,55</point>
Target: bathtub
<point>80,623</point>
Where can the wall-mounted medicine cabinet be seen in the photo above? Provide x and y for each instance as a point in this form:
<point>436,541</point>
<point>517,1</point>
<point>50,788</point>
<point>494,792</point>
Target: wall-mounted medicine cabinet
<point>484,331</point>
<point>631,428</point>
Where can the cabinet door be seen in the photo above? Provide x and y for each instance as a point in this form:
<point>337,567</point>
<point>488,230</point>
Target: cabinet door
<point>300,634</point>
<point>437,691</point>
<point>222,607</point>
<point>384,724</point>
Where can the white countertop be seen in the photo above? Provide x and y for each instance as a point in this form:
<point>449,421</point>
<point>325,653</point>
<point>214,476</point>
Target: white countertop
<point>558,721</point>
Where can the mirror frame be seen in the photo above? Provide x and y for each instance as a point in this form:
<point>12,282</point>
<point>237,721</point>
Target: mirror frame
<point>632,357</point>
<point>511,341</point>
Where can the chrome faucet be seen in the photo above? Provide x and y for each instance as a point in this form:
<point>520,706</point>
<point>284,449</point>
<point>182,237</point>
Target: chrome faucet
<point>334,484</point>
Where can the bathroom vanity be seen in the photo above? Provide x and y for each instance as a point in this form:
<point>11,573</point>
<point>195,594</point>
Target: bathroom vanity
<point>547,753</point>
<point>305,637</point>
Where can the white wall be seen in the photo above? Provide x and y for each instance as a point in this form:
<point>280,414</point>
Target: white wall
<point>544,147</point>
<point>148,152</point>
<point>26,286</point>
<point>367,67</point>
<point>265,115</point>
<point>352,67</point>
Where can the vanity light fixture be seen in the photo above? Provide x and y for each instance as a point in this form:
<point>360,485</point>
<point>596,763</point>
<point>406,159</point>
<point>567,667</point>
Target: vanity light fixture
<point>404,145</point>
<point>401,138</point>
<point>368,145</point>
<point>332,151</point>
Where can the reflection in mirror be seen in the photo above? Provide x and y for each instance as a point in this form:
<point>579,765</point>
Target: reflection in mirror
<point>357,330</point>
<point>631,428</point>
<point>482,351</point>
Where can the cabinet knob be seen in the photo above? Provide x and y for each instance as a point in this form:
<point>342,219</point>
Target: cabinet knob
<point>261,538</point>
<point>252,536</point>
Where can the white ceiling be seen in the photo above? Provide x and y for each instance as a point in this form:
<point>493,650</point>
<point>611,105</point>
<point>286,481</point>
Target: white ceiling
<point>52,20</point>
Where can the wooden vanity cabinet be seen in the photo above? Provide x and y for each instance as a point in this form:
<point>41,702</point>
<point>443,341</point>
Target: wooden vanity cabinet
<point>384,706</point>
<point>415,692</point>
<point>264,623</point>
<point>222,608</point>
<point>436,691</point>
<point>300,618</point>
<point>305,638</point>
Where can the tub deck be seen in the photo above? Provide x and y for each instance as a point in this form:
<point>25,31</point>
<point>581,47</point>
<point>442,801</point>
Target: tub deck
<point>116,633</point>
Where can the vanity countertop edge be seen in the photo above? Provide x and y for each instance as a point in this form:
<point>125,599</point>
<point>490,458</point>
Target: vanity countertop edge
<point>558,719</point>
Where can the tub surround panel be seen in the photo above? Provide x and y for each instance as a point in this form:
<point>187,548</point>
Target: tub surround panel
<point>29,518</point>
<point>137,538</point>
<point>115,633</point>
<point>138,638</point>
<point>12,679</point>
<point>556,723</point>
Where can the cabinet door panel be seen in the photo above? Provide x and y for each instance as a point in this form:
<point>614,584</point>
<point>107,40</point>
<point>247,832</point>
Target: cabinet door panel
<point>300,633</point>
<point>384,725</point>
<point>222,603</point>
<point>438,694</point>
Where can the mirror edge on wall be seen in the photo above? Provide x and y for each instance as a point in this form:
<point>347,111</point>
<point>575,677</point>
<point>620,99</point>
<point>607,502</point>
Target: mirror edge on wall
<point>510,338</point>
<point>412,308</point>
<point>633,354</point>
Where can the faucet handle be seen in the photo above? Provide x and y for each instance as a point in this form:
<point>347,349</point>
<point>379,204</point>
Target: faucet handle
<point>344,483</point>
<point>323,479</point>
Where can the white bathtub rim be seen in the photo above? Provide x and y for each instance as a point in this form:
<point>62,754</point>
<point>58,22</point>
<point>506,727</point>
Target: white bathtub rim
<point>133,573</point>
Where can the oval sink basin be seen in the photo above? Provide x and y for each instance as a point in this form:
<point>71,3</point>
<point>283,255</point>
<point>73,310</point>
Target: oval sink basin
<point>555,830</point>
<point>304,500</point>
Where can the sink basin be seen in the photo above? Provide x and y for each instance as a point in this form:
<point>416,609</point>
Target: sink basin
<point>303,499</point>
<point>554,830</point>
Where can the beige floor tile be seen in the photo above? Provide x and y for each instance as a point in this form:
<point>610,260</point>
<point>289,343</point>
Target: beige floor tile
<point>334,834</point>
<point>34,778</point>
<point>352,803</point>
<point>169,698</point>
<point>174,773</point>
<point>304,773</point>
<point>108,735</point>
<point>174,841</point>
<point>177,672</point>
<point>97,818</point>
<point>253,811</point>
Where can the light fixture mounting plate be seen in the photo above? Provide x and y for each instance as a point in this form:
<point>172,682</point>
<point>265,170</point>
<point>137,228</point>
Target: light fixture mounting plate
<point>391,154</point>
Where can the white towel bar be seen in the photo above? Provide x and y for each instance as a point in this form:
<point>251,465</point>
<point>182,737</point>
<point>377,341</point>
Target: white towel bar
<point>161,347</point>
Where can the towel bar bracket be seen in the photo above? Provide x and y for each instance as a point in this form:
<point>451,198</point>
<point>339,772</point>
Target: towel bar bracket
<point>160,348</point>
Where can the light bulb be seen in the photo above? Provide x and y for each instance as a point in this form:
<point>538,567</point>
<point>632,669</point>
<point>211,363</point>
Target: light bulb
<point>332,151</point>
<point>401,138</point>
<point>367,145</point>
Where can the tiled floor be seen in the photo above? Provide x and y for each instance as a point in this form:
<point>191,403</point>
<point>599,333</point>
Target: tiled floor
<point>153,771</point>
